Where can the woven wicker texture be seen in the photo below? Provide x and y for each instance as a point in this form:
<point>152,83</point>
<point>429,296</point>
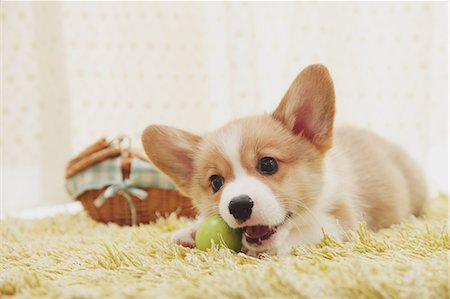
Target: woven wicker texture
<point>159,202</point>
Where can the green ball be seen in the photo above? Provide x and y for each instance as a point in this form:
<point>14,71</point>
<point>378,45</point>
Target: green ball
<point>214,228</point>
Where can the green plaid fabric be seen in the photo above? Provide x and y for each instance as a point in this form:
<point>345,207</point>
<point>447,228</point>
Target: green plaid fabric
<point>109,172</point>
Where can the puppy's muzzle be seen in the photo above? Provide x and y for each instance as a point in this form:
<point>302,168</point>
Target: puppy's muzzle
<point>241,207</point>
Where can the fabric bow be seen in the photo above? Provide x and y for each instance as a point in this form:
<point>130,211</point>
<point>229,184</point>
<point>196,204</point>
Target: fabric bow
<point>124,188</point>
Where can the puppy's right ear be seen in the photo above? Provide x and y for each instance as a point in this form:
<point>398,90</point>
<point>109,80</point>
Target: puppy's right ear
<point>172,151</point>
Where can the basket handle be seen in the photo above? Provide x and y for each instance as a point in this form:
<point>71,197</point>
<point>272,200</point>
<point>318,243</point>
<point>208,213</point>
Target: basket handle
<point>123,142</point>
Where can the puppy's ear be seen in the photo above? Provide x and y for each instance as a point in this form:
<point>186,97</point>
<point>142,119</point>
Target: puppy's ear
<point>307,108</point>
<point>172,151</point>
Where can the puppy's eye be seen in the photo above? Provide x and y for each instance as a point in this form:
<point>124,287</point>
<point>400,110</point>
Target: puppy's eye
<point>267,165</point>
<point>216,182</point>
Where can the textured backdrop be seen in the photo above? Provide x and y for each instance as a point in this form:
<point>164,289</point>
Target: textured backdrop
<point>73,72</point>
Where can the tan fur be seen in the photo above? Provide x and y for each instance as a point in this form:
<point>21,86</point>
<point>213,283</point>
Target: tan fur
<point>343,212</point>
<point>387,183</point>
<point>330,178</point>
<point>163,143</point>
<point>311,95</point>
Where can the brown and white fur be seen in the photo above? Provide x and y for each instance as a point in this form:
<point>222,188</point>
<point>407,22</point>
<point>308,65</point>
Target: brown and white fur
<point>327,178</point>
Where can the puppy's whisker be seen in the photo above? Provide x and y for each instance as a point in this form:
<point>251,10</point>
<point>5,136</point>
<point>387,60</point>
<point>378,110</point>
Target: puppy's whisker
<point>295,223</point>
<point>303,206</point>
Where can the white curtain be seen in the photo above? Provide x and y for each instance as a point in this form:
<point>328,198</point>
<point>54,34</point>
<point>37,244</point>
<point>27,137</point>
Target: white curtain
<point>76,71</point>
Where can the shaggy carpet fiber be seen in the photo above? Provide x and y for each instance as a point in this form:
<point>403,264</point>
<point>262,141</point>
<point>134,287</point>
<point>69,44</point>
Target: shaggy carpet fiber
<point>71,256</point>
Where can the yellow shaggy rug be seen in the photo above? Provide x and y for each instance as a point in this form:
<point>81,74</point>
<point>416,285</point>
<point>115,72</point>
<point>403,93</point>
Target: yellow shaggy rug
<point>71,256</point>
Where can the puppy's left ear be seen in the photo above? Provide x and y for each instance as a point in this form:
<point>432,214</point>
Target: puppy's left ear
<point>307,108</point>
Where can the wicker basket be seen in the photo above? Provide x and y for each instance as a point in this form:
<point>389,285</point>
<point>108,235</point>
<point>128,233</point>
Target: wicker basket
<point>160,202</point>
<point>117,209</point>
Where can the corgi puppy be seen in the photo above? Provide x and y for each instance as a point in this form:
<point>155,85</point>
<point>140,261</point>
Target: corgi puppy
<point>285,178</point>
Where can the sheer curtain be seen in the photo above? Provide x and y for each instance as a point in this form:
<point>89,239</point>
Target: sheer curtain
<point>76,71</point>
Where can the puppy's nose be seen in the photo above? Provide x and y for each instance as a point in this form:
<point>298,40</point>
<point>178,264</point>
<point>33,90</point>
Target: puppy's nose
<point>241,207</point>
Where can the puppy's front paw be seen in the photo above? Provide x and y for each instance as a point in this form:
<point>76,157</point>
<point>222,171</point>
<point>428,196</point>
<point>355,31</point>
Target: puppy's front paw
<point>185,237</point>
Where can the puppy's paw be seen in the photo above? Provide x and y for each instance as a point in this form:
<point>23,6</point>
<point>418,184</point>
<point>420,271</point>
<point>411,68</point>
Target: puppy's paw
<point>186,236</point>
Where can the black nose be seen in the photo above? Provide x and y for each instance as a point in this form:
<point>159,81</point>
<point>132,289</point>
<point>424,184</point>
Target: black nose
<point>241,207</point>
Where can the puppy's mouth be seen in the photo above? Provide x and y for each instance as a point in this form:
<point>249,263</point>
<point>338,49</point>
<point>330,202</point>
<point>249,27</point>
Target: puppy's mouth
<point>258,233</point>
